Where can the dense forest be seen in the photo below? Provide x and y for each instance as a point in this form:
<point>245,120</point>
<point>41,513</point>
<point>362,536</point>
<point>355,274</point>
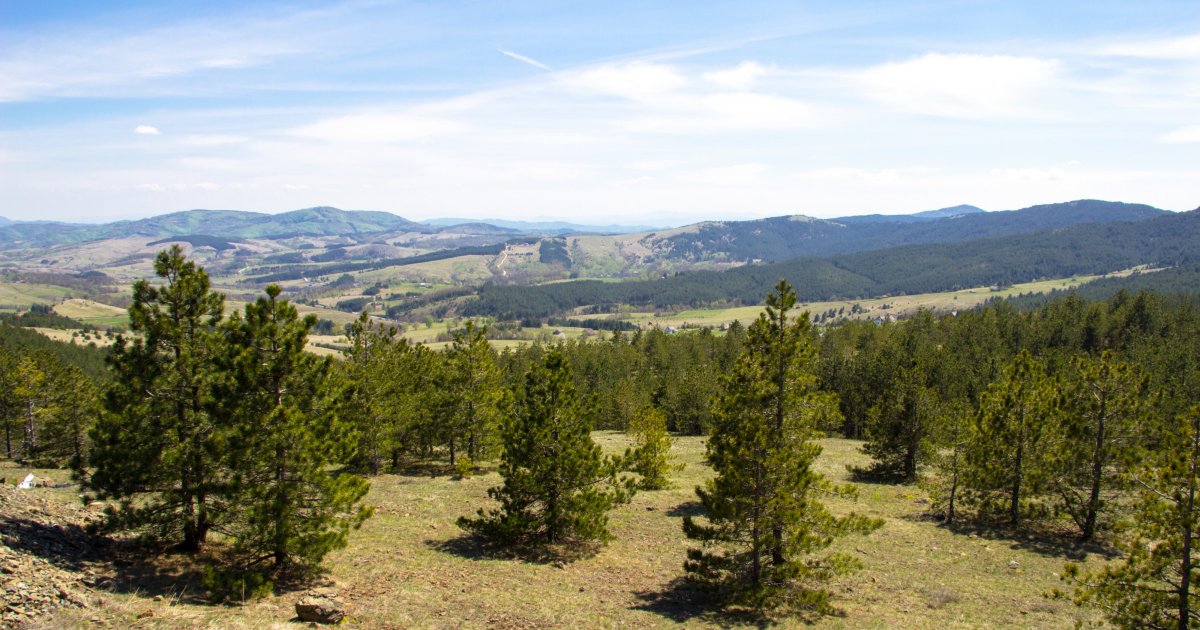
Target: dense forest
<point>220,432</point>
<point>1083,249</point>
<point>782,238</point>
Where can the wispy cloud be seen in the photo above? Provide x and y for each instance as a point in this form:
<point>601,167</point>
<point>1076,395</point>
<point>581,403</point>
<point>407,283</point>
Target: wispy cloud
<point>1183,135</point>
<point>146,130</point>
<point>522,58</point>
<point>739,78</point>
<point>1186,47</point>
<point>961,85</point>
<point>378,127</point>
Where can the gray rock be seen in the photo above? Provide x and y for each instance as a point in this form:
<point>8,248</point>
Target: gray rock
<point>320,609</point>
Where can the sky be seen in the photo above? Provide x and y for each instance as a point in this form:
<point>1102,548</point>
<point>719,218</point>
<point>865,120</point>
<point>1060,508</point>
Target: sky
<point>648,113</point>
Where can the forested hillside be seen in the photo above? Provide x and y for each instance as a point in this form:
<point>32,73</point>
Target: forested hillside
<point>1167,240</point>
<point>320,221</point>
<point>782,238</point>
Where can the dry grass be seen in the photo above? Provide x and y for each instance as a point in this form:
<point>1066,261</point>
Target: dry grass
<point>24,295</point>
<point>91,312</point>
<point>897,306</point>
<point>411,567</point>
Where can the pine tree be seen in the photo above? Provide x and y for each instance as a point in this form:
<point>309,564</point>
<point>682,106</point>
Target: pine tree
<point>765,522</point>
<point>474,394</point>
<point>76,404</point>
<point>157,447</point>
<point>1106,412</point>
<point>291,509</point>
<point>651,455</point>
<point>900,425</point>
<point>1008,454</point>
<point>8,399</point>
<point>901,422</point>
<point>32,402</point>
<point>557,487</point>
<point>373,382</point>
<point>1153,585</point>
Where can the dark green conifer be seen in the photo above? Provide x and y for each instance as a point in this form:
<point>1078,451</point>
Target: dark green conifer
<point>1008,457</point>
<point>291,509</point>
<point>1155,584</point>
<point>157,445</point>
<point>474,397</point>
<point>765,522</point>
<point>557,486</point>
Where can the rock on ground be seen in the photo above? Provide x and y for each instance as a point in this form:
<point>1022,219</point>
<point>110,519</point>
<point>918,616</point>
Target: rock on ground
<point>45,556</point>
<point>320,607</point>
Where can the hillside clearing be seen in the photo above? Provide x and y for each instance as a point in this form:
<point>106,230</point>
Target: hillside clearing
<point>411,567</point>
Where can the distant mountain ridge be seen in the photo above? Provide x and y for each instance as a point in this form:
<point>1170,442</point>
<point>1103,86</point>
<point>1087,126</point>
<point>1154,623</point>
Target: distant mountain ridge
<point>551,227</point>
<point>317,221</point>
<point>783,238</point>
<point>928,215</point>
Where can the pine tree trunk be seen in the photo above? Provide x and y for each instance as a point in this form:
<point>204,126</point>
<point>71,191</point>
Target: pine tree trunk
<point>280,545</point>
<point>29,437</point>
<point>1014,509</point>
<point>1093,505</point>
<point>1185,568</point>
<point>953,487</point>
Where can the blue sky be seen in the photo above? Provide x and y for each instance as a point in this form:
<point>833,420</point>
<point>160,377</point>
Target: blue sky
<point>634,112</point>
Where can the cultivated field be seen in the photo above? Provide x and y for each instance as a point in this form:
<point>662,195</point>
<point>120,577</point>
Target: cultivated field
<point>411,567</point>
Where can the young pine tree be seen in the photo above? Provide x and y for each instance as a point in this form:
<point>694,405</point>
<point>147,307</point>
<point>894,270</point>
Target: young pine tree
<point>1105,414</point>
<point>1008,455</point>
<point>765,522</point>
<point>651,456</point>
<point>157,447</point>
<point>901,422</point>
<point>474,395</point>
<point>1154,584</point>
<point>292,509</point>
<point>372,406</point>
<point>65,432</point>
<point>557,487</point>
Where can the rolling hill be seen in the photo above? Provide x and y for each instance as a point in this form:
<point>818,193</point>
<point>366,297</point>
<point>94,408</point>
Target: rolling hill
<point>782,238</point>
<point>1168,240</point>
<point>319,221</point>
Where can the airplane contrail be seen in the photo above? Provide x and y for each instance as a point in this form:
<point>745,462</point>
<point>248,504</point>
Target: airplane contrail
<point>520,57</point>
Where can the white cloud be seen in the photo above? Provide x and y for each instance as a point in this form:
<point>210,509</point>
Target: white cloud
<point>146,130</point>
<point>1187,47</point>
<point>741,77</point>
<point>216,140</point>
<point>88,61</point>
<point>378,127</point>
<point>638,80</point>
<point>523,59</point>
<point>727,112</point>
<point>1183,135</point>
<point>961,85</point>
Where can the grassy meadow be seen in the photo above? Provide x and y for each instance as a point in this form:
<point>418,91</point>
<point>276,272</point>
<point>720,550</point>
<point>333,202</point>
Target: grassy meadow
<point>411,567</point>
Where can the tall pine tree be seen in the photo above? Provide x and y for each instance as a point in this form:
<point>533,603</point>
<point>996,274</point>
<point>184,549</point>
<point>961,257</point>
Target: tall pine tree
<point>157,446</point>
<point>1106,414</point>
<point>1009,454</point>
<point>474,394</point>
<point>1155,584</point>
<point>765,522</point>
<point>292,510</point>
